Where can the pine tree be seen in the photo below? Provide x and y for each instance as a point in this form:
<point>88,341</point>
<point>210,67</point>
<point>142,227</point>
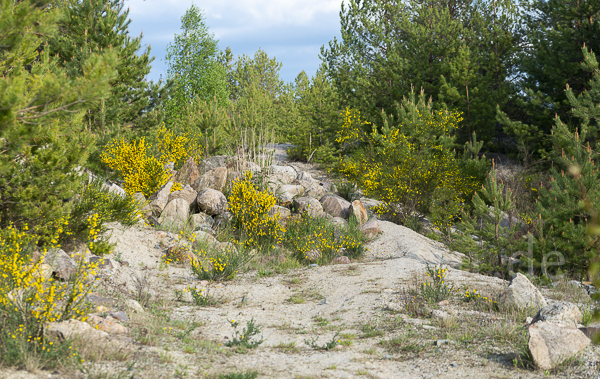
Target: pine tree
<point>89,27</point>
<point>41,111</point>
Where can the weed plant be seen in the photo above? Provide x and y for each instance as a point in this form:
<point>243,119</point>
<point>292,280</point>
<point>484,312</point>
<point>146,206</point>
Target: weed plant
<point>246,336</point>
<point>327,346</point>
<point>201,297</point>
<point>438,289</point>
<point>218,263</point>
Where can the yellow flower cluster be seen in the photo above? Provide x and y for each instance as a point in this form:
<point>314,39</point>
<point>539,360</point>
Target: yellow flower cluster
<point>143,172</point>
<point>473,295</point>
<point>251,208</point>
<point>31,296</point>
<point>176,187</point>
<point>212,267</point>
<point>404,164</point>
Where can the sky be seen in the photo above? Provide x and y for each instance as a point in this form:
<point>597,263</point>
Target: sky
<point>292,31</point>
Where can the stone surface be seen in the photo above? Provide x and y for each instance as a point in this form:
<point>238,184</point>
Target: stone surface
<point>282,174</point>
<point>282,212</point>
<point>200,237</point>
<point>521,293</point>
<point>198,219</point>
<point>308,204</point>
<point>134,305</point>
<point>111,327</point>
<point>176,212</point>
<point>338,221</point>
<point>560,312</point>
<point>335,206</point>
<point>211,201</point>
<point>215,179</point>
<point>371,228</point>
<point>188,173</point>
<point>439,314</point>
<point>60,331</point>
<point>63,266</point>
<point>550,344</point>
<point>161,199</point>
<point>187,193</point>
<point>341,260</point>
<point>115,189</point>
<point>313,255</point>
<point>358,210</point>
<point>291,190</point>
<point>212,162</point>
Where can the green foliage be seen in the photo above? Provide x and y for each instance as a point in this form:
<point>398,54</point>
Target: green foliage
<point>201,297</point>
<point>327,346</point>
<point>218,263</point>
<point>193,66</point>
<point>245,337</point>
<point>41,110</point>
<point>407,160</point>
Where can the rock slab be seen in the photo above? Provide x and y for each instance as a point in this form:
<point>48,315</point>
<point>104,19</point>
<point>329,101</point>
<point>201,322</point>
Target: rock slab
<point>551,344</point>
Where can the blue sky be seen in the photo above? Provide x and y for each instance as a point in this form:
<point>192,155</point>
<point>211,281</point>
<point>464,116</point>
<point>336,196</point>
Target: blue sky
<point>292,31</point>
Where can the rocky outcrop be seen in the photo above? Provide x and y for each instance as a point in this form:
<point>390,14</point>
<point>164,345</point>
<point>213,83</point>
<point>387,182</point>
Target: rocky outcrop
<point>551,344</point>
<point>521,293</point>
<point>335,206</point>
<point>211,202</point>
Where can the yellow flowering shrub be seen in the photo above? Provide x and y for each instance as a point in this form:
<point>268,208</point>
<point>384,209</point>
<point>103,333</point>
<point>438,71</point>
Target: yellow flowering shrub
<point>218,264</point>
<point>250,208</point>
<point>406,160</point>
<point>144,172</point>
<point>30,297</point>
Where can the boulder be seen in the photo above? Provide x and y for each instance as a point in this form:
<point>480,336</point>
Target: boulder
<point>335,205</point>
<point>115,189</point>
<point>282,174</point>
<point>211,201</point>
<point>109,326</point>
<point>176,212</point>
<point>187,193</point>
<point>284,199</point>
<point>342,260</point>
<point>161,199</point>
<point>371,228</point>
<point>358,210</point>
<point>314,189</point>
<point>560,312</point>
<point>313,255</point>
<point>282,213</point>
<point>308,204</point>
<point>305,176</point>
<point>212,162</point>
<point>338,221</point>
<point>222,220</point>
<point>215,179</point>
<point>550,344</point>
<point>200,237</point>
<point>134,306</point>
<point>60,331</point>
<point>63,266</point>
<point>291,190</point>
<point>521,293</point>
<point>200,219</point>
<point>188,173</point>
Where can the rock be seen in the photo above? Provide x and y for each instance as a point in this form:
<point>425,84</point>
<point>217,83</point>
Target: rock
<point>560,312</point>
<point>176,212</point>
<point>111,327</point>
<point>134,306</point>
<point>63,266</point>
<point>313,255</point>
<point>521,293</point>
<point>304,176</point>
<point>142,203</point>
<point>308,204</point>
<point>443,303</point>
<point>371,228</point>
<point>200,237</point>
<point>438,314</point>
<point>115,189</point>
<point>120,315</point>
<point>187,193</point>
<point>188,173</point>
<point>282,213</point>
<point>215,179</point>
<point>370,204</point>
<point>211,201</point>
<point>315,189</point>
<point>60,331</point>
<point>358,210</point>
<point>282,174</point>
<point>162,198</point>
<point>284,199</point>
<point>222,220</point>
<point>444,342</point>
<point>341,260</point>
<point>335,205</point>
<point>338,221</point>
<point>291,190</point>
<point>212,162</point>
<point>198,219</point>
<point>101,262</point>
<point>550,344</point>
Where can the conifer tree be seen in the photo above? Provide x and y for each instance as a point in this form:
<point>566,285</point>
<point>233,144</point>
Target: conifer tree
<point>89,27</point>
<point>41,111</point>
